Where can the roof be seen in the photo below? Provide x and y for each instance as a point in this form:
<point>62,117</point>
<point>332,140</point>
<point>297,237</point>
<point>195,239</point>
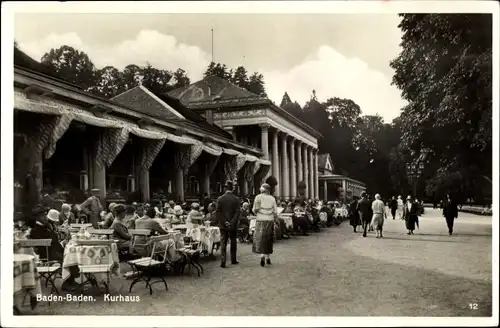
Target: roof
<point>21,59</point>
<point>193,118</point>
<point>216,92</point>
<point>164,107</point>
<point>333,177</point>
<point>146,102</point>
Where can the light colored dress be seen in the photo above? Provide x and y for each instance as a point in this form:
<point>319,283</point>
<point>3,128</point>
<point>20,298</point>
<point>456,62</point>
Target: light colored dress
<point>400,209</point>
<point>265,209</point>
<point>378,208</point>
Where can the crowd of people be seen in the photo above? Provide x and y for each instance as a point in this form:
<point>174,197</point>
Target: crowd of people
<point>370,214</point>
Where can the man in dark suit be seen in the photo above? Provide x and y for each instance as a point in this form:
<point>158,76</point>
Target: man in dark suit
<point>228,213</point>
<point>206,202</point>
<point>393,205</point>
<point>450,212</point>
<point>365,212</point>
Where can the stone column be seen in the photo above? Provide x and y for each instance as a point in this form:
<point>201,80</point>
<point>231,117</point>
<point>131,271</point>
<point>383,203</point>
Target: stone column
<point>264,140</point>
<point>275,163</point>
<point>305,160</point>
<point>316,179</point>
<point>144,186</point>
<point>311,171</point>
<point>293,170</point>
<point>286,172</point>
<point>206,184</point>
<point>300,162</point>
<point>325,192</point>
<point>100,180</point>
<point>179,183</point>
<point>344,187</point>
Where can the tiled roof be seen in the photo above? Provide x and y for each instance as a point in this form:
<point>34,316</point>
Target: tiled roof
<point>23,60</point>
<point>143,101</point>
<point>214,91</point>
<point>192,118</point>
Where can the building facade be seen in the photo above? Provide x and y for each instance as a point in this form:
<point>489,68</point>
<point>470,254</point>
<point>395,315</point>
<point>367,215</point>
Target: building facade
<point>289,144</point>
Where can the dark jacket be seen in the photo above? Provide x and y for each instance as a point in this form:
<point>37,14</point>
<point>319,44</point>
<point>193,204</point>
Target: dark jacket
<point>56,251</point>
<point>228,210</point>
<point>413,213</point>
<point>450,209</point>
<point>393,205</point>
<point>365,209</point>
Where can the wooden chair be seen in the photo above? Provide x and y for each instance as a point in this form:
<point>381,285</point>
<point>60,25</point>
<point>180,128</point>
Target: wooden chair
<point>87,272</point>
<point>101,232</point>
<point>191,252</point>
<point>149,267</point>
<point>48,270</point>
<point>136,242</point>
<point>80,225</point>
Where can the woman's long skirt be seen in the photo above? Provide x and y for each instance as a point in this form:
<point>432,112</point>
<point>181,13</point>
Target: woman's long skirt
<point>263,237</point>
<point>410,223</point>
<point>377,221</point>
<point>354,219</point>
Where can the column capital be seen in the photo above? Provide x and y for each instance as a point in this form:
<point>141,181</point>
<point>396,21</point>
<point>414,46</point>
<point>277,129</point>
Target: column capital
<point>265,126</point>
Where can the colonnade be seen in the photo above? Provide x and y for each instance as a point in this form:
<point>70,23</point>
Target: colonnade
<point>292,161</point>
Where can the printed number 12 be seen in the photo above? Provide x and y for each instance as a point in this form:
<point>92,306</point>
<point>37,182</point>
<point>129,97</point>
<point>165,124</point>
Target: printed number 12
<point>473,306</point>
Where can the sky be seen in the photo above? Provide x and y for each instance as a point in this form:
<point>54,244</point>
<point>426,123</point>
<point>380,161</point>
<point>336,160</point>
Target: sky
<point>337,55</point>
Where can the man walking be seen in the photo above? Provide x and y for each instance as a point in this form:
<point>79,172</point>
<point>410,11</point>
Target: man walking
<point>450,212</point>
<point>365,212</point>
<point>93,208</point>
<point>410,215</point>
<point>228,213</point>
<point>393,205</point>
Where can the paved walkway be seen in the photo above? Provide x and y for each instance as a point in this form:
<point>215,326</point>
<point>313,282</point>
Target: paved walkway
<point>333,273</point>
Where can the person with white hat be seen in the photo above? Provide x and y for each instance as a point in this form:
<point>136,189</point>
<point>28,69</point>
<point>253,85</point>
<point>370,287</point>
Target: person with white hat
<point>93,207</point>
<point>53,222</point>
<point>110,216</point>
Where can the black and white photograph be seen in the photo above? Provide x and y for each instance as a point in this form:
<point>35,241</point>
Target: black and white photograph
<point>224,164</point>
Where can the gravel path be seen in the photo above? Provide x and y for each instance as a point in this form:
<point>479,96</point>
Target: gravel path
<point>332,273</point>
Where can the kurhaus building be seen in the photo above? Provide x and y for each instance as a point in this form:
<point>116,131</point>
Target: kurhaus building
<point>173,146</point>
<point>290,144</point>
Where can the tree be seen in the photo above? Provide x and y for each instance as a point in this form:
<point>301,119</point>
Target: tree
<point>285,100</point>
<point>180,79</point>
<point>256,84</point>
<point>217,70</point>
<point>72,65</point>
<point>156,80</point>
<point>240,78</point>
<point>445,72</point>
<point>109,82</point>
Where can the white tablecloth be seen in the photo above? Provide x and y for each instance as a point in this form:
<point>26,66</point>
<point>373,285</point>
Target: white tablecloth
<point>208,236</point>
<point>288,221</point>
<point>26,278</point>
<point>90,255</point>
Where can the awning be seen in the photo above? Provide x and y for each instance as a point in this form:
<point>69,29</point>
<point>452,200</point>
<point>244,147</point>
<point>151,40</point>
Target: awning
<point>182,140</point>
<point>21,102</point>
<point>265,162</point>
<point>212,149</point>
<point>146,134</point>
<point>96,121</point>
<point>251,158</point>
<point>231,152</point>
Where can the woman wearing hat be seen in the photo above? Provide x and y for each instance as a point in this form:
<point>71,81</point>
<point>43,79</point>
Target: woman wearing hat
<point>66,215</point>
<point>194,218</point>
<point>410,215</point>
<point>265,209</point>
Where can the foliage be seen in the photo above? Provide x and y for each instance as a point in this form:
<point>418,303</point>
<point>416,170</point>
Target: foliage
<point>72,65</point>
<point>445,72</point>
<point>76,67</point>
<point>254,83</point>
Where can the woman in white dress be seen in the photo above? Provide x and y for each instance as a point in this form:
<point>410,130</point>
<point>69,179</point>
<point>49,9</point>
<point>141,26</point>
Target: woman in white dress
<point>399,210</point>
<point>265,209</point>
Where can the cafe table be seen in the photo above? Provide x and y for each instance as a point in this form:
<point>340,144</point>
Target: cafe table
<point>26,280</point>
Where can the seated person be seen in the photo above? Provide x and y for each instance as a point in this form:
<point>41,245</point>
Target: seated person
<point>211,216</point>
<point>300,220</point>
<point>159,209</point>
<point>170,208</point>
<point>130,217</point>
<point>244,222</point>
<point>41,229</point>
<point>194,217</point>
<point>109,218</point>
<point>148,222</point>
<point>178,215</point>
<point>120,231</point>
<point>66,215</point>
